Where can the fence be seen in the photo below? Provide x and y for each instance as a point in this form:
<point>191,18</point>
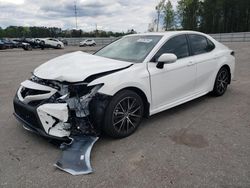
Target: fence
<point>99,41</point>
<point>221,37</point>
<point>232,37</point>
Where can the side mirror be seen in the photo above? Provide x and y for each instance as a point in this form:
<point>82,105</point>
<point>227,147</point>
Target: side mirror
<point>165,58</point>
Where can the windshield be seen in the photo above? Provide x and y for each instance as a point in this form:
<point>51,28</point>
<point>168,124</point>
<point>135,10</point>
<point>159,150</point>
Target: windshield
<point>130,48</point>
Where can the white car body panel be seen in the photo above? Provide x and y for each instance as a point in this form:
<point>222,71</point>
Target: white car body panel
<point>31,85</point>
<point>76,67</point>
<point>174,82</point>
<point>137,76</point>
<point>47,114</point>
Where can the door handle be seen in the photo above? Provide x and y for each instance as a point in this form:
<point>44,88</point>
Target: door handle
<point>190,63</point>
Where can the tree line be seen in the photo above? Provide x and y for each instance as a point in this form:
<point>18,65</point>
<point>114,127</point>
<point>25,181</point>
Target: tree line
<point>42,32</point>
<point>209,16</point>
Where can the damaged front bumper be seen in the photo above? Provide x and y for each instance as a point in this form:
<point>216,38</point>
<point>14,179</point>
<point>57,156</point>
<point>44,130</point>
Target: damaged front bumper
<point>28,117</point>
<point>68,112</point>
<point>57,111</point>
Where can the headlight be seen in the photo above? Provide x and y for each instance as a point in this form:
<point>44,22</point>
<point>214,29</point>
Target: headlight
<point>81,89</point>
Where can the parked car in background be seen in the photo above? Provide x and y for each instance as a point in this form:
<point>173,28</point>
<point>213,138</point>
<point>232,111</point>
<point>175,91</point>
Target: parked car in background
<point>2,45</point>
<point>87,42</point>
<point>64,41</point>
<point>31,43</point>
<point>113,89</point>
<point>51,42</point>
<point>8,43</point>
<point>18,43</point>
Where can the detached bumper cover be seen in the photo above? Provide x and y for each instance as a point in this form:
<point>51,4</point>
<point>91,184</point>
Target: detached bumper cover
<point>75,158</point>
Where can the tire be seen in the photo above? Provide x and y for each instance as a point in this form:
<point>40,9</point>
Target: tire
<point>124,114</point>
<point>58,46</point>
<point>42,43</point>
<point>221,82</point>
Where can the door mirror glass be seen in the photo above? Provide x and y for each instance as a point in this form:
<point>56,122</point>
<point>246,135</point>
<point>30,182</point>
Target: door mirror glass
<point>165,58</point>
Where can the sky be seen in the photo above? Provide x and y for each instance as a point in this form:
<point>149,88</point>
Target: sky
<point>109,15</point>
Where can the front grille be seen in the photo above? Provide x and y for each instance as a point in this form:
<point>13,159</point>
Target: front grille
<point>35,103</point>
<point>27,115</point>
<point>27,91</point>
<point>50,83</point>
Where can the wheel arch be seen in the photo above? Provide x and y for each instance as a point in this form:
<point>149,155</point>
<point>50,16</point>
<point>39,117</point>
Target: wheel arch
<point>143,97</point>
<point>229,70</point>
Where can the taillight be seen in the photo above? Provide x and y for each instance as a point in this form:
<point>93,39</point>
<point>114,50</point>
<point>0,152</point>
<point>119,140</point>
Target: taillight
<point>233,53</point>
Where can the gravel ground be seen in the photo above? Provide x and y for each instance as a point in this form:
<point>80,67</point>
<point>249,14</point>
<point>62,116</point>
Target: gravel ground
<point>203,143</point>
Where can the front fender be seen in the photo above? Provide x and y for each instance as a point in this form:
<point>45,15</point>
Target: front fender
<point>136,76</point>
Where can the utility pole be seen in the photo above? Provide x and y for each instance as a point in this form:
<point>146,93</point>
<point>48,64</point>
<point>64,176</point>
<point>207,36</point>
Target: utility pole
<point>75,13</point>
<point>96,31</point>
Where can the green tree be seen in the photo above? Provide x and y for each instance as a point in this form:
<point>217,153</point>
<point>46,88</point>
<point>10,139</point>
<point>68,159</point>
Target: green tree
<point>168,16</point>
<point>189,14</point>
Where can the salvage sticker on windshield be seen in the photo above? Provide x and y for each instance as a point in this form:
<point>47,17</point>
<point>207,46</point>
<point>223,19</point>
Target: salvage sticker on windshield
<point>144,40</point>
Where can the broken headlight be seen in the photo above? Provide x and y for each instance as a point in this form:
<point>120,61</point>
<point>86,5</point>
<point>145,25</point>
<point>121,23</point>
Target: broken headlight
<point>79,96</point>
<point>78,89</point>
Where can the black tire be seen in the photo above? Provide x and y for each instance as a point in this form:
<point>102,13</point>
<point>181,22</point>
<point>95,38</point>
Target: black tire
<point>221,82</point>
<point>58,46</point>
<point>124,114</point>
<point>42,43</point>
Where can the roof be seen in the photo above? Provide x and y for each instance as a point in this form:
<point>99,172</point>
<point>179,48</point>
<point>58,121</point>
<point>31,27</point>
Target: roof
<point>168,33</point>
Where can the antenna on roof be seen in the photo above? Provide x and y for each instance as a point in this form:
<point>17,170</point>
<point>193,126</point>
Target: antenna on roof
<point>75,12</point>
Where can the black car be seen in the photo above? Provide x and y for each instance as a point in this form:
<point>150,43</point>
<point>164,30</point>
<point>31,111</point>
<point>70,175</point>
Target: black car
<point>8,43</point>
<point>17,43</point>
<point>64,41</point>
<point>2,45</point>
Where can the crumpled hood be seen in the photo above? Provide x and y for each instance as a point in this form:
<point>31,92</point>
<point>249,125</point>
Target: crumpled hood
<point>76,67</point>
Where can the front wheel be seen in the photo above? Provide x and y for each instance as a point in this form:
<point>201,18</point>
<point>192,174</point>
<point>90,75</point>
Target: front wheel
<point>124,114</point>
<point>221,82</point>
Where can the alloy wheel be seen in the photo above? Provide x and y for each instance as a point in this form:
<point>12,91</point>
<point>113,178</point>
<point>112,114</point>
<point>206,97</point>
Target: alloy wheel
<point>127,115</point>
<point>222,81</point>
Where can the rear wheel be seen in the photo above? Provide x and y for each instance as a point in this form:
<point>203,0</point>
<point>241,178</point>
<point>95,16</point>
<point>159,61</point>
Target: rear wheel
<point>124,114</point>
<point>221,82</point>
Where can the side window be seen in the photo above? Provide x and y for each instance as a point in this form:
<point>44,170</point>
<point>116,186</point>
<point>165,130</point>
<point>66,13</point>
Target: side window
<point>200,44</point>
<point>211,45</point>
<point>177,45</point>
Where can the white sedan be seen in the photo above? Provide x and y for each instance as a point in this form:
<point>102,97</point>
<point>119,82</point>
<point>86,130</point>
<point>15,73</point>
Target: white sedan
<point>112,90</point>
<point>87,42</point>
<point>51,42</point>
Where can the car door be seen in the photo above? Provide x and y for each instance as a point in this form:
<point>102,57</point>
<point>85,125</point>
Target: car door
<point>205,59</point>
<point>176,81</point>
<point>52,42</point>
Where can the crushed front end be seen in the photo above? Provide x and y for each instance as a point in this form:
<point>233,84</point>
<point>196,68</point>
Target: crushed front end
<point>60,110</point>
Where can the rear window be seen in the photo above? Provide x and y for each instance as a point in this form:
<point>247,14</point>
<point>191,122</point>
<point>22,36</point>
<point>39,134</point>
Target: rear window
<point>200,44</point>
